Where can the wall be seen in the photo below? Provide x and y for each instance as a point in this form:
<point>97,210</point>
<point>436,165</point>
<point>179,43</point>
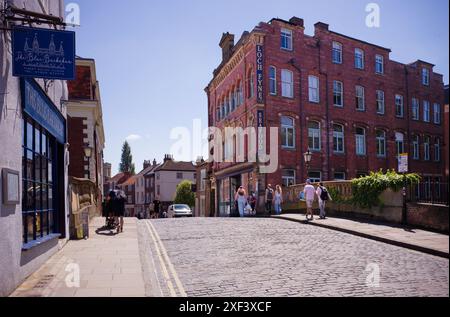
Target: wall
<point>429,217</point>
<point>16,265</point>
<point>168,182</point>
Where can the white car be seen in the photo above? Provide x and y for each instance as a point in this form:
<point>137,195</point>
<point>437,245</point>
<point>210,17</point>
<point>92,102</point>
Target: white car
<point>179,210</point>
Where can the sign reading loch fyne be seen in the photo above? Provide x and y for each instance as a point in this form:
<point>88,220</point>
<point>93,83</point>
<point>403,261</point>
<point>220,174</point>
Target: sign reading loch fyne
<point>43,53</point>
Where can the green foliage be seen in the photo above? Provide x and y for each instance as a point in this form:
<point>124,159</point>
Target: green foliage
<point>366,190</point>
<point>126,162</point>
<point>336,195</point>
<point>184,194</point>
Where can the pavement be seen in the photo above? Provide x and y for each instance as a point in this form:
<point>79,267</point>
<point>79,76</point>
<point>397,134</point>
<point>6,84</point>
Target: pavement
<point>108,265</point>
<point>415,239</point>
<point>239,257</point>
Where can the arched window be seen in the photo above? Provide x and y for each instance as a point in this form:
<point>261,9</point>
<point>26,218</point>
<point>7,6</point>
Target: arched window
<point>338,138</point>
<point>314,136</point>
<point>360,136</point>
<point>416,147</point>
<point>287,132</point>
<point>381,143</point>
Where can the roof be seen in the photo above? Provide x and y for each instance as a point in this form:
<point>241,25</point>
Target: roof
<point>130,181</point>
<point>170,165</point>
<point>147,170</point>
<point>118,178</point>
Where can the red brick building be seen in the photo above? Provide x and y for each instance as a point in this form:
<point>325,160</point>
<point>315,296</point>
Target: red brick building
<point>340,97</point>
<point>85,125</point>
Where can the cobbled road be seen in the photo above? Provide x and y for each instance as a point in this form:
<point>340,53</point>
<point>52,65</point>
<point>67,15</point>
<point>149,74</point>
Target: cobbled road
<point>220,257</point>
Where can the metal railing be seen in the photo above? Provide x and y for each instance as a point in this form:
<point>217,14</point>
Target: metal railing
<point>430,193</point>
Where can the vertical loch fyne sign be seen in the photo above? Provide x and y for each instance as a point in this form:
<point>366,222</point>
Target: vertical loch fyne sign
<point>260,73</point>
<point>43,53</point>
<point>261,125</point>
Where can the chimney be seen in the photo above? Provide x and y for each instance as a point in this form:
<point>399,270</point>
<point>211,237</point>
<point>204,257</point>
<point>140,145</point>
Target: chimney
<point>297,21</point>
<point>147,164</point>
<point>154,162</point>
<point>227,44</point>
<point>321,26</point>
<point>168,157</point>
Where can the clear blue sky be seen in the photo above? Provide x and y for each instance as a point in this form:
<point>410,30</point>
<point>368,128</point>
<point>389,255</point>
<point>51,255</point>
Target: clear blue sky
<point>154,58</point>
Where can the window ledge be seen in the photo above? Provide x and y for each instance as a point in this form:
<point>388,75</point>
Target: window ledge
<point>33,244</point>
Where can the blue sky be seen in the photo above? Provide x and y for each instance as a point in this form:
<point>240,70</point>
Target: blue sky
<point>154,58</point>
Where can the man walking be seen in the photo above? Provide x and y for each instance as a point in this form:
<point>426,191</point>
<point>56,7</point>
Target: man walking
<point>269,198</point>
<point>324,196</point>
<point>310,195</point>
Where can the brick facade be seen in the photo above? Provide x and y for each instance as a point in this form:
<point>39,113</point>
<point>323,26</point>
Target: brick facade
<point>312,56</point>
<point>76,136</point>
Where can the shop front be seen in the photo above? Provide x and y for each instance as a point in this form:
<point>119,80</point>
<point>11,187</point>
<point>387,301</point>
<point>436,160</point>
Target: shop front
<point>228,182</point>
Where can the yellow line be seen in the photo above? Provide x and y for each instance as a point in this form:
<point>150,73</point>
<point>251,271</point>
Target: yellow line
<point>161,261</point>
<point>171,267</point>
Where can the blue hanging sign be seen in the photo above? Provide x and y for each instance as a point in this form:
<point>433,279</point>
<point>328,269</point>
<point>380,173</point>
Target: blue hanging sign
<point>43,53</point>
<point>40,107</point>
<point>260,73</point>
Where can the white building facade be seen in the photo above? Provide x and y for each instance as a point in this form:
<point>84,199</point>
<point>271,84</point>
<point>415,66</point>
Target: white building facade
<point>33,162</point>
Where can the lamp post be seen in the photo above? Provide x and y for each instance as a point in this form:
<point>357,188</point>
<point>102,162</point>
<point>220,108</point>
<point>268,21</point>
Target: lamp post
<point>308,157</point>
<point>88,154</point>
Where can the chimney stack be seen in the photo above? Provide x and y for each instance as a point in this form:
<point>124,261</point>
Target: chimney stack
<point>227,44</point>
<point>147,164</point>
<point>154,162</point>
<point>168,157</point>
<point>297,21</point>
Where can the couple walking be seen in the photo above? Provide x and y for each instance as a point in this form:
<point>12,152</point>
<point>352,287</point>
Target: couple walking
<point>274,198</point>
<point>310,193</point>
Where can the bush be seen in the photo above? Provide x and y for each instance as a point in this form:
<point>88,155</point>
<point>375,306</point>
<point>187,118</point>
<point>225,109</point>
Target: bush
<point>366,190</point>
<point>184,194</point>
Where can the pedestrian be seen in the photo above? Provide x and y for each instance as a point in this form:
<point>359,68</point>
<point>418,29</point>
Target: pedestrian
<point>324,196</point>
<point>310,195</point>
<point>252,202</point>
<point>278,199</point>
<point>269,198</point>
<point>156,208</point>
<point>241,198</point>
<point>119,201</point>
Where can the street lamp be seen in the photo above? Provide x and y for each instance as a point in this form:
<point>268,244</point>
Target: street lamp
<point>308,157</point>
<point>88,154</point>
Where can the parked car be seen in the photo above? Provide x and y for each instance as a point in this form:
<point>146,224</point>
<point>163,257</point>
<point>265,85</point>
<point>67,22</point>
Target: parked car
<point>179,210</point>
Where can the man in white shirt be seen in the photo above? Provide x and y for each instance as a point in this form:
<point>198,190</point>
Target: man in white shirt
<point>310,195</point>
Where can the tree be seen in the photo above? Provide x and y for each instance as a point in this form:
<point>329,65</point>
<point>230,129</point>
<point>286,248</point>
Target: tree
<point>126,163</point>
<point>184,194</point>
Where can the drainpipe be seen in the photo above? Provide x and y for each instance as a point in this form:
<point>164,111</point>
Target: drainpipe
<point>327,111</point>
<point>298,68</point>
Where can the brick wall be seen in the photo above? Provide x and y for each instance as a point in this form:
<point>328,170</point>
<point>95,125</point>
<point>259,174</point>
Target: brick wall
<point>81,88</point>
<point>76,136</point>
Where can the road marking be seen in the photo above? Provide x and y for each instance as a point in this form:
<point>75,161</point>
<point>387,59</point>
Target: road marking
<point>161,261</point>
<point>169,263</point>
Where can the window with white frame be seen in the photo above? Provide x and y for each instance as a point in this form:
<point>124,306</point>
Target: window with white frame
<point>415,109</point>
<point>426,111</point>
<point>425,76</point>
<point>379,64</point>
<point>338,138</point>
<point>359,58</point>
<point>286,39</point>
<point>313,84</point>
<point>399,107</point>
<point>380,102</point>
<point>360,141</point>
<point>416,147</point>
<point>400,142</point>
<point>437,113</point>
<point>287,83</point>
<point>241,94</point>
<point>287,132</point>
<point>339,176</point>
<point>288,177</point>
<point>437,150</point>
<point>337,53</point>
<point>314,138</point>
<point>381,143</point>
<point>315,176</point>
<point>426,148</point>
<point>232,101</point>
<point>338,93</point>
<point>360,99</point>
<point>272,80</point>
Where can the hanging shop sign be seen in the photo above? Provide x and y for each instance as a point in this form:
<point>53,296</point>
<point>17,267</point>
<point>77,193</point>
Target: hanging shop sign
<point>261,125</point>
<point>403,163</point>
<point>260,73</point>
<point>39,106</point>
<point>43,53</point>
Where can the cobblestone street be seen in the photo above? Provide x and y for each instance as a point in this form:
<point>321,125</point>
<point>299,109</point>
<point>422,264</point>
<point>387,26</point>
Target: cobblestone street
<point>270,257</point>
